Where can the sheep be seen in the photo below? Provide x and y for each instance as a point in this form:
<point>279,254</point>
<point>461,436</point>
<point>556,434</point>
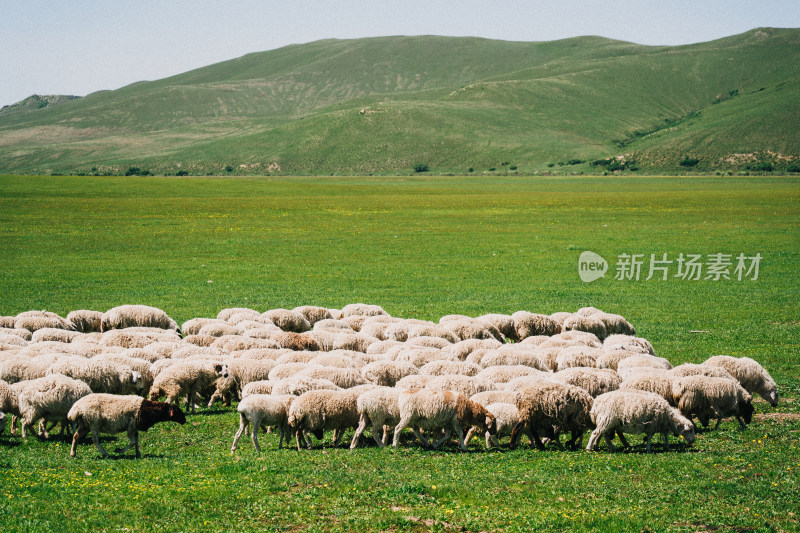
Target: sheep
<point>444,367</point>
<point>610,358</point>
<point>297,385</point>
<point>287,320</point>
<point>435,410</point>
<point>2,422</point>
<point>528,324</point>
<point>108,413</point>
<point>218,329</point>
<point>295,341</point>
<point>23,368</point>
<point>224,389</point>
<point>356,342</point>
<point>343,377</point>
<point>494,396</point>
<point>751,375</point>
<point>54,334</point>
<point>364,310</point>
<point>560,316</point>
<point>552,406</point>
<point>691,369</point>
<point>199,340</point>
<point>292,356</point>
<point>425,341</point>
<point>640,371</point>
<point>502,323</point>
<point>649,361</point>
<point>318,410</point>
<point>660,384</point>
<point>85,321</point>
<point>259,410</point>
<point>186,379</point>
<point>285,370</point>
<point>588,311</point>
<point>36,320</point>
<point>470,328</point>
<point>705,397</point>
<point>243,371</point>
<point>7,321</point>
<point>377,408</point>
<point>49,399</point>
<point>11,339</point>
<point>419,357</point>
<point>137,337</point>
<point>466,385</point>
<point>534,340</point>
<point>387,373</point>
<point>142,366</point>
<point>521,382</point>
<point>273,354</point>
<point>375,329</point>
<point>595,381</point>
<point>637,412</point>
<point>630,343</point>
<point>141,316</point>
<point>421,330</point>
<point>100,375</point>
<point>333,324</point>
<point>506,416</point>
<point>505,373</point>
<point>460,350</point>
<point>548,357</point>
<point>232,343</point>
<point>313,313</point>
<point>9,401</point>
<point>615,324</point>
<point>194,325</point>
<point>581,337</point>
<point>414,381</point>
<point>577,356</point>
<point>514,356</point>
<point>590,324</point>
<point>258,387</point>
<point>225,314</point>
<point>355,321</point>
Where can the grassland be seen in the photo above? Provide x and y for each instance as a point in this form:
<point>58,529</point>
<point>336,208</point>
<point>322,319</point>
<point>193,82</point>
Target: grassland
<point>420,247</point>
<point>380,105</point>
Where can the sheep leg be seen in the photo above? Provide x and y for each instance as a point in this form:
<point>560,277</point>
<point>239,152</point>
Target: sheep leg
<point>254,435</point>
<point>307,438</point>
<point>362,425</point>
<point>470,434</point>
<point>133,436</point>
<point>446,436</point>
<point>399,428</point>
<point>647,441</point>
<point>283,430</point>
<point>593,438</point>
<point>534,436</point>
<point>80,432</point>
<point>14,419</point>
<point>666,441</point>
<point>297,437</point>
<point>421,437</point>
<point>609,439</point>
<point>460,435</point>
<point>741,422</point>
<point>385,440</point>
<point>96,440</point>
<point>242,426</point>
<point>622,439</point>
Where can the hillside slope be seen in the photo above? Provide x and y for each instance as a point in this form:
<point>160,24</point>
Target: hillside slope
<point>381,105</point>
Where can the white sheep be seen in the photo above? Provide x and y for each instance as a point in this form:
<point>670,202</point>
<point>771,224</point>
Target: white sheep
<point>110,413</point>
<point>297,385</point>
<point>552,408</point>
<point>595,381</point>
<point>434,410</point>
<point>444,367</point>
<point>573,356</point>
<point>707,397</point>
<point>590,324</point>
<point>628,342</point>
<point>85,321</point>
<point>49,399</point>
<point>313,313</point>
<point>35,320</point>
<point>644,361</point>
<point>101,375</point>
<point>466,385</point>
<point>319,410</point>
<point>388,373</point>
<point>287,320</point>
<point>460,350</point>
<point>137,316</point>
<point>259,410</point>
<point>531,324</point>
<point>258,387</point>
<point>637,412</point>
<point>379,409</point>
<point>361,309</point>
<point>185,380</point>
<point>751,375</point>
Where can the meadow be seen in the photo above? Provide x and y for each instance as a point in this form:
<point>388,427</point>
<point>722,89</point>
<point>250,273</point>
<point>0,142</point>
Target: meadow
<point>420,247</point>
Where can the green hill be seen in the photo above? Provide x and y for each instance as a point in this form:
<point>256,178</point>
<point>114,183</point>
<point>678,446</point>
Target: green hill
<point>380,105</point>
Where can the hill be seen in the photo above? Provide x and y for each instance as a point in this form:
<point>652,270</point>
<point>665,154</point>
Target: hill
<point>380,105</point>
<point>36,101</point>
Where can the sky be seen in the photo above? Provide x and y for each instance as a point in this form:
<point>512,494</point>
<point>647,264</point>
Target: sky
<point>81,46</point>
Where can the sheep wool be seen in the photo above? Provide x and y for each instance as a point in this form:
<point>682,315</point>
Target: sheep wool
<point>377,408</point>
<point>130,316</point>
<point>86,321</point>
<point>707,397</point>
<point>530,324</point>
<point>50,399</point>
<point>387,373</point>
<point>751,375</point>
<point>548,405</point>
<point>261,410</point>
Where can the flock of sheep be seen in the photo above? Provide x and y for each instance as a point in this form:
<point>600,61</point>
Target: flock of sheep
<point>313,369</point>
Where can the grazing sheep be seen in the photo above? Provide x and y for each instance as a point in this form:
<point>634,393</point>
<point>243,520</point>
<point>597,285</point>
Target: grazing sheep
<point>595,381</point>
<point>560,316</point>
<point>419,357</point>
<point>259,410</point>
<point>285,370</point>
<point>10,338</point>
<point>55,335</point>
<point>194,325</point>
<point>691,369</point>
<point>86,321</point>
<point>9,401</point>
<point>706,397</point>
<point>610,358</point>
<point>313,313</point>
<point>441,332</point>
<point>356,342</point>
<point>627,342</point>
<point>258,387</point>
<point>525,381</point>
<point>646,361</point>
<point>49,399</point>
<point>224,389</point>
<point>297,385</point>
<point>2,422</point>
<point>7,321</point>
<point>751,375</point>
<point>364,310</point>
<point>428,342</point>
<point>414,381</point>
<point>435,410</point>
<point>138,337</point>
<point>590,324</point>
<point>534,340</point>
<point>342,377</point>
<point>337,359</point>
<point>616,324</point>
<point>200,340</point>
<point>547,406</point>
<point>505,373</point>
<point>227,313</point>
<point>444,367</point>
<point>506,416</point>
<point>639,371</point>
<point>471,328</point>
<point>502,323</point>
<point>581,337</point>
<point>388,373</point>
<point>218,329</point>
<point>332,324</point>
<point>243,371</point>
<point>460,350</point>
<point>494,396</point>
<point>185,380</point>
<point>109,413</point>
<point>466,385</point>
<point>287,320</point>
<point>23,368</point>
<point>637,412</point>
<point>319,410</point>
<point>530,324</point>
<point>513,356</point>
<point>36,320</point>
<point>660,384</point>
<point>382,347</point>
<point>377,408</point>
<point>142,366</point>
<point>101,375</point>
<point>577,356</point>
<point>235,343</point>
<point>548,357</point>
<point>296,357</point>
<point>137,316</point>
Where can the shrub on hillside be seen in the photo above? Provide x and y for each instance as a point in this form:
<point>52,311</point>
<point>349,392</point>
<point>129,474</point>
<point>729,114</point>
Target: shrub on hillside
<point>689,161</point>
<point>420,167</point>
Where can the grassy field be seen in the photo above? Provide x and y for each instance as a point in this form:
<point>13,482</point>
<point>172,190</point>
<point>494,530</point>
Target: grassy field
<point>420,247</point>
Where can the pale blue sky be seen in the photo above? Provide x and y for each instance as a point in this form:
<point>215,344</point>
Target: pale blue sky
<point>81,46</point>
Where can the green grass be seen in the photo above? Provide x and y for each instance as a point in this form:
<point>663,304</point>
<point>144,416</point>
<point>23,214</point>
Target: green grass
<point>421,247</point>
<point>451,103</point>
